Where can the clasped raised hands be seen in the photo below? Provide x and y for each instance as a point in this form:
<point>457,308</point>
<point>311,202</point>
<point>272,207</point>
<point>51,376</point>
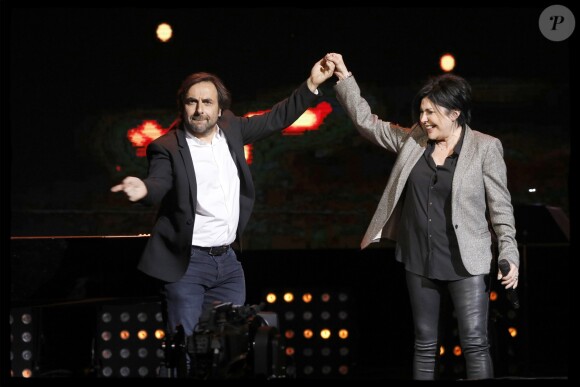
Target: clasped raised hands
<point>340,69</point>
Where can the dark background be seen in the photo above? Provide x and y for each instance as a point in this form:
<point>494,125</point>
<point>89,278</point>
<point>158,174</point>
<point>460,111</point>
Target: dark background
<point>75,79</point>
<point>79,78</point>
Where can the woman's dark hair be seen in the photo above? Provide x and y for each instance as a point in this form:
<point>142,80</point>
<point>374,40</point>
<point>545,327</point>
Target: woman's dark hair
<point>224,97</point>
<point>449,91</point>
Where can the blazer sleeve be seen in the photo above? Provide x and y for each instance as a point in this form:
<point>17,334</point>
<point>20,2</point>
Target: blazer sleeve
<point>501,211</point>
<point>282,115</point>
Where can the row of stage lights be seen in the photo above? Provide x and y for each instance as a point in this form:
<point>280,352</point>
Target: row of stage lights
<point>129,341</point>
<point>316,326</point>
<point>318,330</point>
<point>22,342</point>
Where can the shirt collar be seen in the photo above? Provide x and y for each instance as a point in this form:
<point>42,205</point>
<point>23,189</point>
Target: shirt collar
<point>456,148</point>
<point>217,137</point>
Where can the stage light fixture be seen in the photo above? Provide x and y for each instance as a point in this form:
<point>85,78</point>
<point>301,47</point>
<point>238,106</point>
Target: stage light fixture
<point>128,340</point>
<point>316,324</point>
<point>270,298</point>
<point>288,297</point>
<point>513,332</point>
<point>23,342</point>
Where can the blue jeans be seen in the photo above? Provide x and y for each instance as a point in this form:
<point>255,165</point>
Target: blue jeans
<point>207,281</point>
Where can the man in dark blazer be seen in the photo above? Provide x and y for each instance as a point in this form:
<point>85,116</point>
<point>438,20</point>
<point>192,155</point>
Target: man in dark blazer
<point>199,177</point>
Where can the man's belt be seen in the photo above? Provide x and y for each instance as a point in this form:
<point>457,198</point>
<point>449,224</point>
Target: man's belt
<point>213,251</point>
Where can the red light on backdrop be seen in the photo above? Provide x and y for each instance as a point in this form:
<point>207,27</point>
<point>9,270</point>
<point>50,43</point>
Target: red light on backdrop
<point>311,119</point>
<point>248,153</point>
<point>258,113</point>
<point>143,134</point>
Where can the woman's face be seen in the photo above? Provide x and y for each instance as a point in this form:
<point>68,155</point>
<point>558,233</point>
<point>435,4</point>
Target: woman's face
<point>437,121</point>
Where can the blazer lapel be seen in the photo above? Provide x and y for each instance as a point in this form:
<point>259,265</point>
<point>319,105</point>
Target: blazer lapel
<point>187,162</point>
<point>224,127</point>
<point>388,209</point>
<point>463,162</point>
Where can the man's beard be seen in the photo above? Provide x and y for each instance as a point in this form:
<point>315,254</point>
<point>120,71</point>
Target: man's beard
<point>201,127</point>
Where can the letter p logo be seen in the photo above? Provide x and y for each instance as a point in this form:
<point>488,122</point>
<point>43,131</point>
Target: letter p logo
<point>557,23</point>
<point>557,20</point>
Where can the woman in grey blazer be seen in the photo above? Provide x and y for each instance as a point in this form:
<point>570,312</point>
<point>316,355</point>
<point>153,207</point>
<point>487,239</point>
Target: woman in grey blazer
<point>446,195</point>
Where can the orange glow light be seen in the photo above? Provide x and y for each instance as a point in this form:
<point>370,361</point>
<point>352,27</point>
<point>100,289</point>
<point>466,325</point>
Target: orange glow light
<point>311,119</point>
<point>308,334</point>
<point>288,297</point>
<point>493,295</point>
<point>258,113</point>
<point>270,298</point>
<point>248,153</point>
<point>307,297</point>
<point>159,334</point>
<point>447,62</point>
<point>325,333</point>
<point>457,350</point>
<point>164,32</point>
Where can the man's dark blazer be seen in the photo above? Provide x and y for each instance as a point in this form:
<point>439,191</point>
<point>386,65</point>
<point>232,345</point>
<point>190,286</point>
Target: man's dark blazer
<point>171,182</point>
